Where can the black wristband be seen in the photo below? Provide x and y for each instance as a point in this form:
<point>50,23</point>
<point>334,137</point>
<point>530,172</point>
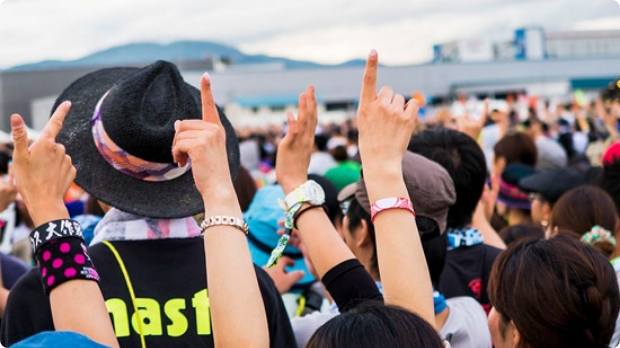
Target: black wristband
<point>54,230</point>
<point>61,254</point>
<point>302,211</point>
<point>62,260</point>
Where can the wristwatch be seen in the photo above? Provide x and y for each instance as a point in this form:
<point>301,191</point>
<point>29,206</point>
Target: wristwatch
<point>309,192</point>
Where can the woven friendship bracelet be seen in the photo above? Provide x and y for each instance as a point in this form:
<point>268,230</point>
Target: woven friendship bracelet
<point>54,230</point>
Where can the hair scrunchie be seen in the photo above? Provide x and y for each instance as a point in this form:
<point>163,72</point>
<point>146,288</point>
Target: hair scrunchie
<point>598,234</point>
<point>61,254</point>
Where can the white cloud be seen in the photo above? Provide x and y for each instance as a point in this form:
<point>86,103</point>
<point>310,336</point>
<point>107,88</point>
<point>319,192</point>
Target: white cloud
<point>322,30</point>
<point>599,23</point>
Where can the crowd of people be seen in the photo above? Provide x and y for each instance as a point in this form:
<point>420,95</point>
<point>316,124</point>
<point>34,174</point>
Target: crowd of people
<point>149,221</point>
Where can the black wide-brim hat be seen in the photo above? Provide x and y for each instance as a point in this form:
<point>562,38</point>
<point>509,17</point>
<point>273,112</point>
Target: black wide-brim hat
<point>138,112</point>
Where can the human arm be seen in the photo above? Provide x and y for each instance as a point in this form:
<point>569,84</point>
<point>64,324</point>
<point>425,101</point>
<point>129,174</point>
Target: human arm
<point>321,242</point>
<point>385,126</point>
<point>483,213</point>
<point>323,245</point>
<point>4,295</point>
<point>284,280</point>
<point>237,312</point>
<point>471,126</point>
<point>43,174</point>
<point>610,121</point>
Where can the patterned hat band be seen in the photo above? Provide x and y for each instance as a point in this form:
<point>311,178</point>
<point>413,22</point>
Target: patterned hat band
<point>126,163</point>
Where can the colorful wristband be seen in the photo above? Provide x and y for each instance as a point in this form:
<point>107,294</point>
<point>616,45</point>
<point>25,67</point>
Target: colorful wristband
<point>290,214</point>
<point>60,254</point>
<point>390,203</point>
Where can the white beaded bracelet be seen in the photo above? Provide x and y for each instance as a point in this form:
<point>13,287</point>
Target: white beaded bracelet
<point>225,221</point>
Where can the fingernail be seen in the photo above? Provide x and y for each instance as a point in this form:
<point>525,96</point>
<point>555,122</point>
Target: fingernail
<point>373,53</point>
<point>176,125</point>
<point>207,76</point>
<point>16,121</point>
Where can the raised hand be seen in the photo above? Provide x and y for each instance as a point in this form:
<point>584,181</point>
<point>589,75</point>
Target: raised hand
<point>295,149</point>
<point>283,279</point>
<point>204,142</point>
<point>385,123</point>
<point>471,126</point>
<point>43,172</point>
<point>8,190</point>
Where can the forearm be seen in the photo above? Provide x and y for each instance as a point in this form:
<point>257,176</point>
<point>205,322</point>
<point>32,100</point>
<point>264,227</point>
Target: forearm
<point>4,296</point>
<point>238,312</point>
<point>350,285</point>
<point>489,234</point>
<point>324,245</point>
<point>399,249</point>
<point>43,211</point>
<point>78,306</point>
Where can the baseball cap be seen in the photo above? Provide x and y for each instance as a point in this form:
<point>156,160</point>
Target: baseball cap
<point>552,183</point>
<point>429,185</point>
<point>263,218</point>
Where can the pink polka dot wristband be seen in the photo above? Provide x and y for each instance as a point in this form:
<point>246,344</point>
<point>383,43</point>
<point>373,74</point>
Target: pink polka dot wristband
<point>62,258</point>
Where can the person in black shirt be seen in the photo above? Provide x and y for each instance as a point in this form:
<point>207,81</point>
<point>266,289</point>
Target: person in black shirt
<point>148,249</point>
<point>469,260</point>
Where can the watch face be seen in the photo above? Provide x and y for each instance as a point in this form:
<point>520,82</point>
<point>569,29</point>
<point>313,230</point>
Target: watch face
<point>316,195</point>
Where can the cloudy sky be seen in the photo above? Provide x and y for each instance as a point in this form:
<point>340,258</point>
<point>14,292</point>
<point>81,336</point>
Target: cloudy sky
<point>328,31</point>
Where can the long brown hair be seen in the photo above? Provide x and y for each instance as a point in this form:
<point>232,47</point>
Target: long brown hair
<point>558,292</point>
<point>582,208</point>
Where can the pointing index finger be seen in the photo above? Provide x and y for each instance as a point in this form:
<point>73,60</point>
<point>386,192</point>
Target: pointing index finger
<point>369,85</point>
<point>54,125</point>
<point>209,110</point>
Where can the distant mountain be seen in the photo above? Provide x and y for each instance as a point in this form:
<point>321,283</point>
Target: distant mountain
<point>144,53</point>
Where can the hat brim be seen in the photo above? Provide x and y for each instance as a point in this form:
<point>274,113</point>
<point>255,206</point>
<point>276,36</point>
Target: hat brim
<point>511,202</point>
<point>534,183</point>
<point>260,258</point>
<point>165,199</point>
<point>347,192</point>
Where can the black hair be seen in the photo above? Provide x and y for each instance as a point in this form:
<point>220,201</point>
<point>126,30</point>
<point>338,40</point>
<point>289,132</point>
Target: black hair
<point>339,153</point>
<point>435,244</point>
<point>353,135</point>
<point>5,158</point>
<point>515,233</point>
<point>331,197</point>
<point>321,142</point>
<point>566,141</point>
<point>463,159</point>
<point>356,214</point>
<point>610,181</point>
<point>374,325</point>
